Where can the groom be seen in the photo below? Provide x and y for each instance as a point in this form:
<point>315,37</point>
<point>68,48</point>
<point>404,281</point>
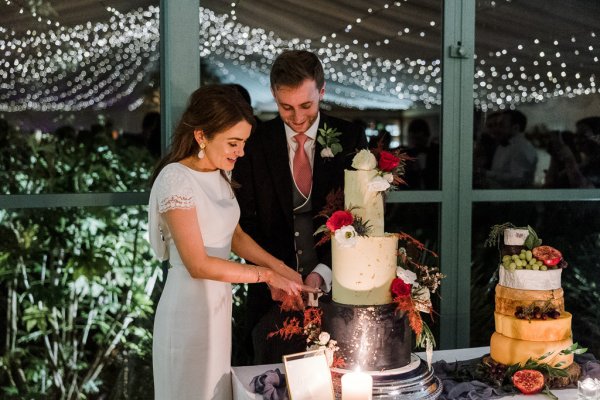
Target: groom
<point>285,178</point>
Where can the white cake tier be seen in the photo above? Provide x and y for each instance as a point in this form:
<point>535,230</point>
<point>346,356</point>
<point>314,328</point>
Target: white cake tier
<point>530,279</point>
<point>365,203</point>
<point>363,274</point>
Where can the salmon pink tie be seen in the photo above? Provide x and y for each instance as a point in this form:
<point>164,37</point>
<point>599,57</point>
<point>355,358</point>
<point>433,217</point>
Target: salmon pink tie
<point>302,171</point>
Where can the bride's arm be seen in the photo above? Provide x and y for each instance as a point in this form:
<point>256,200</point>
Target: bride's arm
<point>244,246</point>
<point>184,228</point>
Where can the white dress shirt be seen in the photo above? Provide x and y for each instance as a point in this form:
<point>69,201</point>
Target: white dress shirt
<point>309,147</point>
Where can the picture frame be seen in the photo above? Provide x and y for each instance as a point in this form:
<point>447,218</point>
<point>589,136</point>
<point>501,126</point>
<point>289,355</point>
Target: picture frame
<point>308,376</point>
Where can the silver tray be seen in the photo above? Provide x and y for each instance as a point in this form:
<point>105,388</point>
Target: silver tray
<point>412,382</point>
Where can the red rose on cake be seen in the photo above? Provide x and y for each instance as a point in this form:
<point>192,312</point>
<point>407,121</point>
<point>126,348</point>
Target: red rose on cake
<point>339,219</point>
<point>400,288</point>
<point>387,161</point>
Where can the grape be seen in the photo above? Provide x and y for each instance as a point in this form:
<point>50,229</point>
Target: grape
<point>519,263</point>
<point>522,256</point>
<point>512,266</point>
<point>506,258</point>
<point>528,255</point>
<point>532,261</point>
<point>543,268</point>
<point>535,267</point>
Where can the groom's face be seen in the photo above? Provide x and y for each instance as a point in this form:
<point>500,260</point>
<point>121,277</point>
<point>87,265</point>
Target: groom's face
<point>299,106</point>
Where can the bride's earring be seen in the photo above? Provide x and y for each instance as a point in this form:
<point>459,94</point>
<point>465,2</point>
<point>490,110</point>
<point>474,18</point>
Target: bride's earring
<point>201,153</point>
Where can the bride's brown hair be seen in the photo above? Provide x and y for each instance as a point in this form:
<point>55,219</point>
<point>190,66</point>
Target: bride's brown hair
<point>213,109</point>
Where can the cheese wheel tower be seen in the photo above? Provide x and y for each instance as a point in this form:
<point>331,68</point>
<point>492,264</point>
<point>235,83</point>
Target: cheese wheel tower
<point>518,339</point>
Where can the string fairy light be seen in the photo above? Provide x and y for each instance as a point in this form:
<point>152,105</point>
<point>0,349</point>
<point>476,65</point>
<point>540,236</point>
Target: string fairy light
<point>88,65</point>
<point>98,64</point>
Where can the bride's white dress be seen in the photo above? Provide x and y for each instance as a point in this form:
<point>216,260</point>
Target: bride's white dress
<point>192,327</point>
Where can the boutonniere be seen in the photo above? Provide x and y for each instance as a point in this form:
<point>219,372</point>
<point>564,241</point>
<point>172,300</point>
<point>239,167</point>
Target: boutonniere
<point>328,138</point>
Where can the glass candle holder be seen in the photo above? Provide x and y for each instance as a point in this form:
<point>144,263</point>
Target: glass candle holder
<point>588,389</point>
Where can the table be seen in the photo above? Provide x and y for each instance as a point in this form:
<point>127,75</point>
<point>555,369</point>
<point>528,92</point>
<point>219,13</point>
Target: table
<point>241,376</point>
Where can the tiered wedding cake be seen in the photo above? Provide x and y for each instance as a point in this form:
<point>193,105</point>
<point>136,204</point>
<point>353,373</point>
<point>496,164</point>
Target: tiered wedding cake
<point>370,333</point>
<point>530,316</point>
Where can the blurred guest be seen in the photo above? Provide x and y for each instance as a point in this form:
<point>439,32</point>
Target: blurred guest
<point>423,172</point>
<point>148,138</point>
<point>575,161</point>
<point>65,132</point>
<point>151,133</point>
<point>382,140</point>
<point>515,158</point>
<point>484,147</point>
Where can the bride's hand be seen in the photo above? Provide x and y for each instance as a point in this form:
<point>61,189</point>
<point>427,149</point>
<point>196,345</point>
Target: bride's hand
<point>287,272</point>
<point>288,286</point>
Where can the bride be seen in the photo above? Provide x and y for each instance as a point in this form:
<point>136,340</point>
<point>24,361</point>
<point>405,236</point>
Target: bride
<point>193,222</point>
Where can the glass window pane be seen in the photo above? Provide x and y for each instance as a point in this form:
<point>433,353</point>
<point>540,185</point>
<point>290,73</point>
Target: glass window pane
<point>79,95</point>
<point>382,65</point>
<point>77,283</point>
<point>571,227</point>
<point>546,69</point>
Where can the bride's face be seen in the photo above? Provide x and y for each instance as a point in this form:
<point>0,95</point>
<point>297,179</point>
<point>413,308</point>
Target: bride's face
<point>222,151</point>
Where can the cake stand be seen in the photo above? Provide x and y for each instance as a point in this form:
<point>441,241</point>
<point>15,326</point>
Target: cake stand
<point>414,381</point>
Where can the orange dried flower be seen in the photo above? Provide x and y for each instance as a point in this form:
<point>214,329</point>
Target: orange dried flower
<point>291,327</point>
<point>406,304</point>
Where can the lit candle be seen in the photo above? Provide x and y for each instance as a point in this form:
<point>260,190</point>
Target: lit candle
<point>588,389</point>
<point>357,386</point>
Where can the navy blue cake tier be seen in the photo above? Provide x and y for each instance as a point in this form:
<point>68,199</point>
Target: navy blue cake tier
<point>372,338</point>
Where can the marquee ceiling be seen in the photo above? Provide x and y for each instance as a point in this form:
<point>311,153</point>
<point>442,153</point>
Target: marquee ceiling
<point>77,54</point>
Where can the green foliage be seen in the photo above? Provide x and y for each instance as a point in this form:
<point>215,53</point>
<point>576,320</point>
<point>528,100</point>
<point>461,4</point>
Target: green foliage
<point>532,239</point>
<point>78,283</point>
<point>328,138</point>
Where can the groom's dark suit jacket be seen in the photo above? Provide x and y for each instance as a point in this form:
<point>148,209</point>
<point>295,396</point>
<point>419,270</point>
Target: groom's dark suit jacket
<point>265,195</point>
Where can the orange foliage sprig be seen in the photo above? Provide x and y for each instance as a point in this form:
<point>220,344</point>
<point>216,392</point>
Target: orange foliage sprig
<point>406,304</point>
<point>313,315</point>
<point>411,240</point>
<point>291,327</point>
<point>429,277</point>
<point>291,303</point>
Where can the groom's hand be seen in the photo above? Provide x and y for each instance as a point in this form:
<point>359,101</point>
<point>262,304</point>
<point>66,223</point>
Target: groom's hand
<point>277,294</point>
<point>314,280</point>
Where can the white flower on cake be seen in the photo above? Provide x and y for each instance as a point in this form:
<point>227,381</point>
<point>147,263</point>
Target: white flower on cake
<point>364,160</point>
<point>409,277</point>
<point>324,338</point>
<point>389,177</point>
<point>422,297</point>
<point>378,184</point>
<point>324,343</point>
<point>327,152</point>
<point>346,236</point>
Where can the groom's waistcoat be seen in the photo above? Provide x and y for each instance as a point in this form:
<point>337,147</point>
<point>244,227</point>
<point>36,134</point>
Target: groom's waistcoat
<point>306,256</point>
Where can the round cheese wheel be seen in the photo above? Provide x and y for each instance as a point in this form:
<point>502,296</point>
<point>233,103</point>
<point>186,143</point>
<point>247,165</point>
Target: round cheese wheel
<point>509,351</point>
<point>530,279</point>
<point>508,299</point>
<point>536,330</point>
